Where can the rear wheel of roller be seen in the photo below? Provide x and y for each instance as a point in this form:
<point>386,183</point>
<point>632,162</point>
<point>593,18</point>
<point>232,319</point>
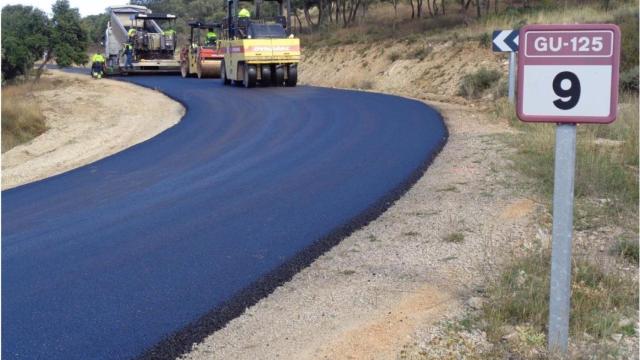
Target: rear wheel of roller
<point>278,77</point>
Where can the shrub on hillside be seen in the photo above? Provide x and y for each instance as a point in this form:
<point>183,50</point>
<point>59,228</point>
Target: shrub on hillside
<point>629,79</point>
<point>474,84</point>
<point>629,41</point>
<point>485,40</point>
<point>628,249</point>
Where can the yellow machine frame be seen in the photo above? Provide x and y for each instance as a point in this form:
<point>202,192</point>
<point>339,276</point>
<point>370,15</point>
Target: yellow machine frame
<point>267,60</point>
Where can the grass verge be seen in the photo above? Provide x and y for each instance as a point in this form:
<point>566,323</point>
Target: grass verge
<point>606,182</point>
<point>601,303</point>
<point>22,117</point>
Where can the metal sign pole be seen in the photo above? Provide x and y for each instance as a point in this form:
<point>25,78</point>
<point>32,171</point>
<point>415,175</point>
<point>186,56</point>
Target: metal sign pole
<point>560,291</point>
<point>512,76</point>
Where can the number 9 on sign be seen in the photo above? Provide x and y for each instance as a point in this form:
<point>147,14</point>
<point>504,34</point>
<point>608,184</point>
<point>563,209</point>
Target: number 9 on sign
<point>572,92</point>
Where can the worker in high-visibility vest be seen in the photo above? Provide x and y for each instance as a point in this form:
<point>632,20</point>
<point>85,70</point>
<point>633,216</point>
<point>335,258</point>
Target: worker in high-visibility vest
<point>97,65</point>
<point>211,38</point>
<point>244,13</point>
<point>128,53</point>
<point>131,32</point>
<point>169,32</point>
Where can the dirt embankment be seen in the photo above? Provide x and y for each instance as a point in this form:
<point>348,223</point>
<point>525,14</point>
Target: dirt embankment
<point>384,288</point>
<point>421,69</point>
<point>87,120</point>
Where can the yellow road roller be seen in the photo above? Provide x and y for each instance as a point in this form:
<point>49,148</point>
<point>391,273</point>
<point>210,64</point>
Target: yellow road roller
<point>202,56</point>
<point>259,50</point>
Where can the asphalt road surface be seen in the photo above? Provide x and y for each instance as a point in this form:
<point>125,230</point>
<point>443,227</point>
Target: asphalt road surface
<point>149,250</point>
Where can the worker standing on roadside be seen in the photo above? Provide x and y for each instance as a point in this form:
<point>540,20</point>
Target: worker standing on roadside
<point>128,53</point>
<point>211,38</point>
<point>244,13</point>
<point>97,66</point>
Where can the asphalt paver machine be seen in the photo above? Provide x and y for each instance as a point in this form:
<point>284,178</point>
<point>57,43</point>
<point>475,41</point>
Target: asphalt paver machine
<point>259,50</point>
<point>153,47</point>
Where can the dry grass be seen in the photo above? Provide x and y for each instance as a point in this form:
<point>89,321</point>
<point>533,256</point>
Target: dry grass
<point>606,161</point>
<point>380,24</point>
<point>22,117</point>
<point>571,14</point>
<point>627,249</point>
<point>520,297</point>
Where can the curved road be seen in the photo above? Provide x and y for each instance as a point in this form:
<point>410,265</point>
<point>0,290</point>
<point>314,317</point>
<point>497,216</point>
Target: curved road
<point>146,251</point>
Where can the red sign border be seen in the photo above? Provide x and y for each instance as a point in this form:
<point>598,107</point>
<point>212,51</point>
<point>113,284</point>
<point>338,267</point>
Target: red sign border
<point>571,119</point>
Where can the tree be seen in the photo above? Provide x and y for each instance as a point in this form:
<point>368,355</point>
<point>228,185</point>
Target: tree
<point>95,26</point>
<point>67,40</point>
<point>28,35</point>
<point>25,32</point>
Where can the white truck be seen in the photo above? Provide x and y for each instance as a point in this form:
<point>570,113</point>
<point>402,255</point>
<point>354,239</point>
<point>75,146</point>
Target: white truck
<point>153,49</point>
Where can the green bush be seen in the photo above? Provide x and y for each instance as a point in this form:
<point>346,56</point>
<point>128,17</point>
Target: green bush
<point>629,79</point>
<point>485,40</point>
<point>474,84</point>
<point>629,41</point>
<point>627,249</point>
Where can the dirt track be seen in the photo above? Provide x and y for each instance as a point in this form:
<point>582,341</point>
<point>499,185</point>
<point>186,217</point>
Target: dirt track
<point>87,121</point>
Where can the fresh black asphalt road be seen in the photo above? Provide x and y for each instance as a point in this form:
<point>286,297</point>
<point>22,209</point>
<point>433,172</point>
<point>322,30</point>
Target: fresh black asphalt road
<point>146,251</point>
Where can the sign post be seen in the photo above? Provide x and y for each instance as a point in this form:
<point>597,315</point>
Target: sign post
<point>568,74</point>
<point>507,41</point>
<point>512,76</point>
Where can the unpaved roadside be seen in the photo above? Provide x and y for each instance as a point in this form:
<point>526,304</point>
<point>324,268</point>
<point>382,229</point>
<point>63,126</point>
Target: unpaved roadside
<point>384,286</point>
<point>87,121</point>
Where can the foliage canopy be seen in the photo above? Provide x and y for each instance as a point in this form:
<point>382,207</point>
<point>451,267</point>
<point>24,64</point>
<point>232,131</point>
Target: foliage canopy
<point>28,35</point>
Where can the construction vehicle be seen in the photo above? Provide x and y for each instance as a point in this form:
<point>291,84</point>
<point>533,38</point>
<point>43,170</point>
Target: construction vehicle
<point>153,49</point>
<point>200,57</point>
<point>259,50</point>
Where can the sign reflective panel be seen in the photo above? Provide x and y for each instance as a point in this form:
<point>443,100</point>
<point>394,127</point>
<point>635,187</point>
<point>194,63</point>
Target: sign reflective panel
<point>568,73</point>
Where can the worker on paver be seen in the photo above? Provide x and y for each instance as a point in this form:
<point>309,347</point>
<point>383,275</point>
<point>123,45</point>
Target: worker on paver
<point>169,32</point>
<point>132,33</point>
<point>97,65</point>
<point>244,13</point>
<point>211,38</point>
<point>128,53</point>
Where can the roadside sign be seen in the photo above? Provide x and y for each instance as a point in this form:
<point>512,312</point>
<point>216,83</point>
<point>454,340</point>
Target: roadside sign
<point>505,40</point>
<point>568,73</point>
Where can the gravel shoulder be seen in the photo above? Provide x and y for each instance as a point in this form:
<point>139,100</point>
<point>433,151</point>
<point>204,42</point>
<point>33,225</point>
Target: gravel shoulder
<point>387,284</point>
<point>86,122</point>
